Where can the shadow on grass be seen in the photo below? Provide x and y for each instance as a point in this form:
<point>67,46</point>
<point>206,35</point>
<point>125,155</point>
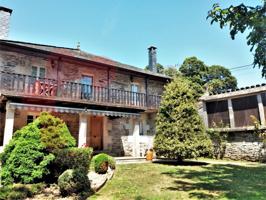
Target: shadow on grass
<point>180,163</point>
<point>221,181</point>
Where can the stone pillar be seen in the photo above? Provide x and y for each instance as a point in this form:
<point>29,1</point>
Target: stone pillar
<point>136,146</point>
<point>205,114</point>
<point>231,113</point>
<point>9,124</point>
<point>261,110</point>
<point>83,126</point>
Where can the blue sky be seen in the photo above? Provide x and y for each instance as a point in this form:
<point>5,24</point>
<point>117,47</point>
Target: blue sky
<point>123,29</point>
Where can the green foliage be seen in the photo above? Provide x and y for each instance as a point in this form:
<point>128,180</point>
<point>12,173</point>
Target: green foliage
<point>215,78</point>
<point>111,162</point>
<point>160,68</point>
<point>71,158</point>
<point>195,70</point>
<point>243,18</point>
<point>24,159</point>
<point>180,132</point>
<point>101,163</point>
<point>219,139</point>
<point>258,130</point>
<point>20,191</point>
<point>73,181</point>
<point>54,132</point>
<point>27,157</point>
<point>171,71</point>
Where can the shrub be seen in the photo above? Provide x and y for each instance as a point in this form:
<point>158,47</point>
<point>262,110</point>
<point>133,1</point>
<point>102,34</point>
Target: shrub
<point>111,162</point>
<point>73,181</point>
<point>180,131</point>
<point>24,159</point>
<point>71,158</point>
<point>27,156</point>
<point>54,132</point>
<point>101,163</point>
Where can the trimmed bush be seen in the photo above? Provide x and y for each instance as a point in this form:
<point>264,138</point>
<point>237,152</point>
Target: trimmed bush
<point>54,132</point>
<point>111,162</point>
<point>180,132</point>
<point>73,181</point>
<point>24,159</point>
<point>101,163</point>
<point>27,156</point>
<point>71,158</point>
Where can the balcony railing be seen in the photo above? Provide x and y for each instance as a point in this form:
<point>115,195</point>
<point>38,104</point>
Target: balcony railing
<point>25,85</point>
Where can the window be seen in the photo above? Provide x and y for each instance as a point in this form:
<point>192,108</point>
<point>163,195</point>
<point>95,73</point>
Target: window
<point>135,95</point>
<point>87,82</point>
<point>141,128</point>
<point>38,72</point>
<point>31,118</point>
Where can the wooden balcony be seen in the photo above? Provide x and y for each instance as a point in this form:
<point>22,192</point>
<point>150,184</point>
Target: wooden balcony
<point>19,85</point>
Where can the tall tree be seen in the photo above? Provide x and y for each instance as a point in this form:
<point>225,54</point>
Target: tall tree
<point>160,68</point>
<point>180,132</point>
<point>194,69</point>
<point>220,79</point>
<point>215,78</point>
<point>245,18</point>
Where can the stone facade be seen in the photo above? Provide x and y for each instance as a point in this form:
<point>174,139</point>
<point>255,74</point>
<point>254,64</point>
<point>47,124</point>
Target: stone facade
<point>244,146</point>
<point>21,63</point>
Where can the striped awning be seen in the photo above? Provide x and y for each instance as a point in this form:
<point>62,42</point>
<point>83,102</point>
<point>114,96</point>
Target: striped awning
<point>42,108</point>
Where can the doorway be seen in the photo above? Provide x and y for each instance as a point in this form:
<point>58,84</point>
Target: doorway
<point>96,133</point>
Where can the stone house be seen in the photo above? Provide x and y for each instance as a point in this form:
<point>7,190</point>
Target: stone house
<point>230,112</point>
<point>107,105</point>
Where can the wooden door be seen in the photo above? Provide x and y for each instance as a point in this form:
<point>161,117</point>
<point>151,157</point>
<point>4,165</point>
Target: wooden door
<point>96,132</point>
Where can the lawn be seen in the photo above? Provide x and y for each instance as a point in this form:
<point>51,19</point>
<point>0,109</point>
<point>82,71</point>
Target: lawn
<point>188,181</point>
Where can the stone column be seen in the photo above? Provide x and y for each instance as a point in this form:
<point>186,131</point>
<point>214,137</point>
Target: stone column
<point>136,146</point>
<point>205,114</point>
<point>261,110</point>
<point>231,113</point>
<point>83,126</point>
<point>9,124</point>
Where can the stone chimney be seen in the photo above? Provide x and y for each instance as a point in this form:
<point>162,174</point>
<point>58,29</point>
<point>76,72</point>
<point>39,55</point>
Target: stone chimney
<point>152,59</point>
<point>5,14</point>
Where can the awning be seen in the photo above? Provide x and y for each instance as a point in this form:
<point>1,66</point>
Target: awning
<point>41,108</point>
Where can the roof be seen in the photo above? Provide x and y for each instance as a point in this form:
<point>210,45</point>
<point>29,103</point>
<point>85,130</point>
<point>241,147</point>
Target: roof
<point>244,91</point>
<point>77,53</point>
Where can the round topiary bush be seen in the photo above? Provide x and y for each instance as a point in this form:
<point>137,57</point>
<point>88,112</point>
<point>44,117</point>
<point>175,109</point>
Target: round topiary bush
<point>73,181</point>
<point>111,162</point>
<point>102,161</point>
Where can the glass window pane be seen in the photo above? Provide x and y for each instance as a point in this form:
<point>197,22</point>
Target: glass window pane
<point>42,72</point>
<point>34,71</point>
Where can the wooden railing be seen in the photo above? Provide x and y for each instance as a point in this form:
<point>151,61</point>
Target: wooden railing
<point>20,85</point>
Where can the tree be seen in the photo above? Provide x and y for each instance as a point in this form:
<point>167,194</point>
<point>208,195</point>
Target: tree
<point>215,78</point>
<point>171,71</point>
<point>180,131</point>
<point>160,68</point>
<point>245,18</point>
<point>194,69</point>
<point>220,79</point>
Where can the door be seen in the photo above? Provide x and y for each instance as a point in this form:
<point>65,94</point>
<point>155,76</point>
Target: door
<point>135,95</point>
<point>96,133</point>
<point>86,91</point>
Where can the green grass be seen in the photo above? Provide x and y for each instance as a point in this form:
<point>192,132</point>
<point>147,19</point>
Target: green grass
<point>189,181</point>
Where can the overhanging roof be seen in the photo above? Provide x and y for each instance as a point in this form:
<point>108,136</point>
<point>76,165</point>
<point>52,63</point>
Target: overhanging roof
<point>42,108</point>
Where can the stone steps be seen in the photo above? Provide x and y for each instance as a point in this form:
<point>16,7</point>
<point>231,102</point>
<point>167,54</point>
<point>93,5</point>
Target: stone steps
<point>130,160</point>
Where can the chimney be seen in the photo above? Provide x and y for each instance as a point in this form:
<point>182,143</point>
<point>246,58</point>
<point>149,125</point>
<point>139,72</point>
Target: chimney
<point>5,14</point>
<point>152,59</point>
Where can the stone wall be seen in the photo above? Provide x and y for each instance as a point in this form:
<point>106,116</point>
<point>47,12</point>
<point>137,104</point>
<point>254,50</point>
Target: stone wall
<point>244,145</point>
<point>72,71</point>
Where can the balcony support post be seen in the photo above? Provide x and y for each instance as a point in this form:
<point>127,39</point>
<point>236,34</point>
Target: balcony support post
<point>9,124</point>
<point>146,91</point>
<point>83,126</point>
